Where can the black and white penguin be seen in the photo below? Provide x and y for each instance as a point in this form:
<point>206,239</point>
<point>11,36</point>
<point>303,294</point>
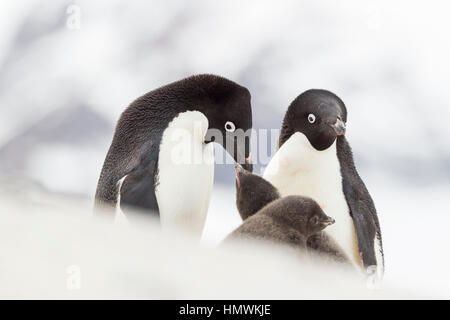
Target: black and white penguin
<point>314,159</point>
<point>254,193</point>
<point>161,159</point>
<point>289,221</point>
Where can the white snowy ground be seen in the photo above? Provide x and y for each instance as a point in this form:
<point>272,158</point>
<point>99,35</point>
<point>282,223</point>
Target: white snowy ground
<point>52,248</point>
<point>45,238</point>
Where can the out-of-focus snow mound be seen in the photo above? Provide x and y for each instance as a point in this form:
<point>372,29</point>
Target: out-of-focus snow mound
<point>54,248</point>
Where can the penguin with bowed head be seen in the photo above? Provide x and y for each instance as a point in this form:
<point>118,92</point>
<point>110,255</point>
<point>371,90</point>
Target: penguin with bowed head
<point>161,158</point>
<point>314,159</point>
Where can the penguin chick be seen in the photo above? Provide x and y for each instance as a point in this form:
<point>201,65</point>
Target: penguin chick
<point>290,220</point>
<point>252,192</point>
<point>324,246</point>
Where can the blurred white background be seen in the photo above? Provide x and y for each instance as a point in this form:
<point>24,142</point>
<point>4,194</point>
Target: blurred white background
<point>69,68</point>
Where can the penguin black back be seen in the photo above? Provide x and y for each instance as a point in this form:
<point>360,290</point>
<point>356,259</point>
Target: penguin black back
<point>134,150</point>
<point>252,192</point>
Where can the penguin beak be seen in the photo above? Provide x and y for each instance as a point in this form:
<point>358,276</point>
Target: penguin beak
<point>239,172</point>
<point>248,163</point>
<point>238,169</point>
<point>240,150</point>
<point>328,221</point>
<point>338,127</point>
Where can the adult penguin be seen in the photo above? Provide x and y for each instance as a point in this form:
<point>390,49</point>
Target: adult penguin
<point>315,160</point>
<point>161,157</point>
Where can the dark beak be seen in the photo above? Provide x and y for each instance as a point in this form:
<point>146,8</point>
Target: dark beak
<point>338,127</point>
<point>328,221</point>
<point>248,163</point>
<point>239,169</point>
<point>239,148</point>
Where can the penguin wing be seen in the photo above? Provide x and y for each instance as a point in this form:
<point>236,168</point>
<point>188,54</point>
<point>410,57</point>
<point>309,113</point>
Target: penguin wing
<point>138,188</point>
<point>365,222</point>
<point>362,210</point>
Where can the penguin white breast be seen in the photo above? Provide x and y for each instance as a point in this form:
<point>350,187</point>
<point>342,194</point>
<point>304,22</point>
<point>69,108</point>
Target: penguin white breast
<point>185,173</point>
<point>299,169</point>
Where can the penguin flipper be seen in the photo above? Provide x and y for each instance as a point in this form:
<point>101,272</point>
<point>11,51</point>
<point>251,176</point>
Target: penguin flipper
<point>138,190</point>
<point>365,232</point>
<point>362,209</point>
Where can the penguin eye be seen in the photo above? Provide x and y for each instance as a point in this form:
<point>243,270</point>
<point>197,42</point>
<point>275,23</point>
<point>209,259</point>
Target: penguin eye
<point>314,220</point>
<point>229,126</point>
<point>311,118</point>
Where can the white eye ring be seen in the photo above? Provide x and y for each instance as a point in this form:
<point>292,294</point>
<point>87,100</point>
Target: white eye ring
<point>311,118</point>
<point>229,126</point>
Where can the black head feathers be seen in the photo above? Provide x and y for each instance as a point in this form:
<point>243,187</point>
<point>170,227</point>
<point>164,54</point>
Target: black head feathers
<point>319,114</point>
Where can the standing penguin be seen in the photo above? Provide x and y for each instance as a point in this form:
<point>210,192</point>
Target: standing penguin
<point>315,160</point>
<point>161,150</point>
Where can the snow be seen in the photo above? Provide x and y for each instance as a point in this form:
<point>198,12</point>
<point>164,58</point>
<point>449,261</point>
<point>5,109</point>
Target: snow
<point>52,248</point>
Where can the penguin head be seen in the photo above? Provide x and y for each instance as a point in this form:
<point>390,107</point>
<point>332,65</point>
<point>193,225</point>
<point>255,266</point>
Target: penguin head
<point>304,214</point>
<point>317,219</point>
<point>252,192</point>
<point>319,114</point>
<point>228,109</point>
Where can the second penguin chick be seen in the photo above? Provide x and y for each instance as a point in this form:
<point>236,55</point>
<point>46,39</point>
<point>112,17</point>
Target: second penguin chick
<point>252,192</point>
<point>290,220</point>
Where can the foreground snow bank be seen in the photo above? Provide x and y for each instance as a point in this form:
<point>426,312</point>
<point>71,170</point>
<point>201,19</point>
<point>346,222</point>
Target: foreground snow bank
<point>54,248</point>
